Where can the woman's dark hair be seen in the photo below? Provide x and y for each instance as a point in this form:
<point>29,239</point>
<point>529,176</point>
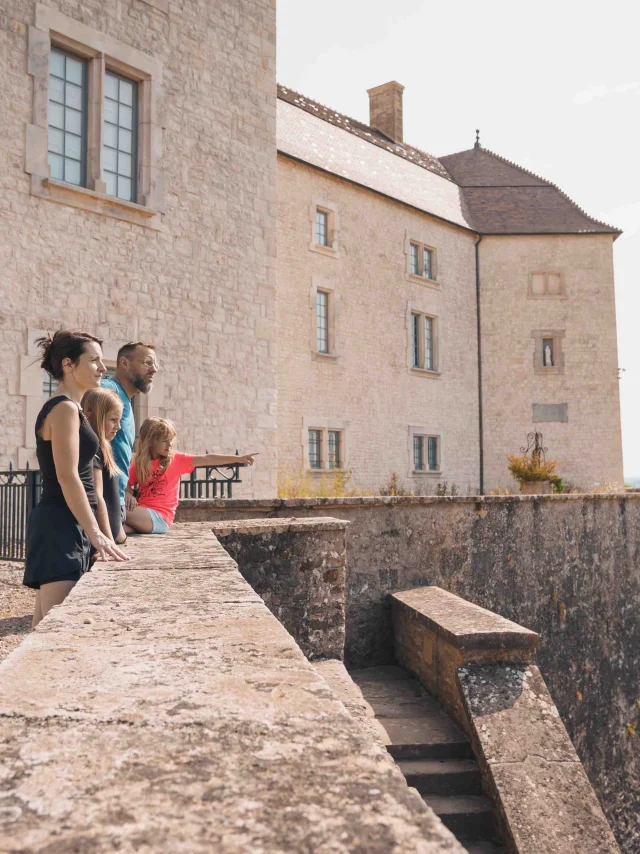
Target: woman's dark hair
<point>63,345</point>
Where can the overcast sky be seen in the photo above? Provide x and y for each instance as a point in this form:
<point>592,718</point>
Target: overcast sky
<point>552,86</point>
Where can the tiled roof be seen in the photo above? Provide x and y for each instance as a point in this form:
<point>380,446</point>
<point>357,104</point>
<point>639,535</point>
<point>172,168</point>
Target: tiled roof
<point>323,144</point>
<point>503,198</point>
<point>413,155</point>
<point>476,188</point>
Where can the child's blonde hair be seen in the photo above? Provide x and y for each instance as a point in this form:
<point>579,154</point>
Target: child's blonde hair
<point>153,429</point>
<point>97,404</point>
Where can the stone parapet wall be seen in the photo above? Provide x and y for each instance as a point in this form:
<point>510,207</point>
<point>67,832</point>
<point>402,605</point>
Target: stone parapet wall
<point>476,664</point>
<point>162,708</point>
<point>298,567</point>
<point>565,566</point>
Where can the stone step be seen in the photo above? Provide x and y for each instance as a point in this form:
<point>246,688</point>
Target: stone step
<point>449,777</point>
<point>485,848</point>
<point>467,816</point>
<point>424,738</point>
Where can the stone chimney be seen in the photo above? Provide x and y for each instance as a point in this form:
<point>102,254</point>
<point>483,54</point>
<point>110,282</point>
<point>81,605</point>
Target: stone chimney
<point>385,109</point>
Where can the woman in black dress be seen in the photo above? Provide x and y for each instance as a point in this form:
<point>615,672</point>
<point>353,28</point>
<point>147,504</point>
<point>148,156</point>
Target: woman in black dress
<point>63,526</point>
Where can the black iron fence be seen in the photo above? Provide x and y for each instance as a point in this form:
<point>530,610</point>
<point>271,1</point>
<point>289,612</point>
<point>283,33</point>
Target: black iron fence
<point>20,492</point>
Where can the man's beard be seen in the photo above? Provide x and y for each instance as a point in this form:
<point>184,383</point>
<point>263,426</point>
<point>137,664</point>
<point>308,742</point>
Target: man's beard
<point>140,383</point>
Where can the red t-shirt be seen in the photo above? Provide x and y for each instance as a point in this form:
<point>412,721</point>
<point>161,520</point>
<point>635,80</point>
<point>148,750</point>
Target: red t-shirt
<point>162,491</point>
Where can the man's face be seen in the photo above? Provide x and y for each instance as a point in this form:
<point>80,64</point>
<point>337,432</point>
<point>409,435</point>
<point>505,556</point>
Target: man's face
<point>142,367</point>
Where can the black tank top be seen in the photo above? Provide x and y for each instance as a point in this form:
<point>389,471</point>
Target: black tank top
<point>89,445</point>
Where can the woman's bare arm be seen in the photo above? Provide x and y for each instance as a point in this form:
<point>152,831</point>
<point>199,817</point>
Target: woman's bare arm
<point>65,446</point>
<point>102,514</point>
<point>222,459</point>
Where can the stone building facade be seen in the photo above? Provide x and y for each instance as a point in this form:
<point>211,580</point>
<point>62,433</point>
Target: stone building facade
<point>138,200</point>
<point>467,304</point>
<point>185,256</point>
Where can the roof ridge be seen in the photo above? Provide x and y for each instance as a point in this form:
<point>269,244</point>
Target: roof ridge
<point>370,134</point>
<point>550,184</point>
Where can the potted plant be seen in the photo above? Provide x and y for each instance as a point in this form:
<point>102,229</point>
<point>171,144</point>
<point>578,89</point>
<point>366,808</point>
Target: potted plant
<point>535,474</point>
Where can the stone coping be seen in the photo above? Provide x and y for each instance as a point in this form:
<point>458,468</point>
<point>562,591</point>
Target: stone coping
<point>393,500</point>
<point>461,623</point>
<point>278,526</point>
<point>167,710</point>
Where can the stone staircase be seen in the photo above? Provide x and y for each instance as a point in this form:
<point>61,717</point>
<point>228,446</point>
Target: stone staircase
<point>434,755</point>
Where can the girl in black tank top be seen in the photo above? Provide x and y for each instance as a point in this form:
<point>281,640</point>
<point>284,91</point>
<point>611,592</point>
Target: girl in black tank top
<point>62,527</point>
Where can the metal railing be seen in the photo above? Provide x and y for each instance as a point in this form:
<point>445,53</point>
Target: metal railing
<point>197,486</point>
<point>20,492</point>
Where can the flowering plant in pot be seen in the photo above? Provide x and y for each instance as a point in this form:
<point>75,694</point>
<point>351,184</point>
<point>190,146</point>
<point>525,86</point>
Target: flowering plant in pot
<point>531,469</point>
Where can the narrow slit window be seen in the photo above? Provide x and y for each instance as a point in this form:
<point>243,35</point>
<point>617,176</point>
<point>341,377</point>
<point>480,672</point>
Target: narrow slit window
<point>322,321</point>
<point>315,449</point>
<point>120,136</point>
<point>415,340</point>
<point>67,135</point>
<point>334,450</point>
<point>548,360</point>
<point>429,361</point>
<point>322,228</point>
<point>432,453</point>
<point>414,266</point>
<point>418,453</point>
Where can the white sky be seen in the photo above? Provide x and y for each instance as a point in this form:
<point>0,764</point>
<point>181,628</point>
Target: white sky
<point>553,86</point>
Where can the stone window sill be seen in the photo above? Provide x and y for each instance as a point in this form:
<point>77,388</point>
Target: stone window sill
<point>324,357</point>
<point>424,473</point>
<point>556,371</point>
<point>91,200</point>
<point>546,296</point>
<point>329,251</point>
<point>423,372</point>
<point>325,471</point>
<point>420,280</point>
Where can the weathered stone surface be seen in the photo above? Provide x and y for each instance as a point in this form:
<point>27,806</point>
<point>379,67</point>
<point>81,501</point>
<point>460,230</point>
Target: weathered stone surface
<point>298,566</point>
<point>534,771</point>
<point>461,623</point>
<point>168,711</point>
<point>437,632</point>
<point>565,566</point>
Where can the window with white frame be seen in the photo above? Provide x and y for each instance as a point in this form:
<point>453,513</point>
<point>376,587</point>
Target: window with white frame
<point>422,261</point>
<point>91,94</point>
<point>120,150</point>
<point>67,134</point>
<point>426,453</point>
<point>423,342</point>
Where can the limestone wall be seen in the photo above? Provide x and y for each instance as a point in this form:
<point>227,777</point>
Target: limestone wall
<point>588,444</point>
<point>199,281</point>
<point>368,389</point>
<point>564,566</point>
<point>162,708</point>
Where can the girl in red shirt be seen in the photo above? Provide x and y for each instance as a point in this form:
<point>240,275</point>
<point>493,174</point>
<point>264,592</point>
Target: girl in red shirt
<point>156,470</point>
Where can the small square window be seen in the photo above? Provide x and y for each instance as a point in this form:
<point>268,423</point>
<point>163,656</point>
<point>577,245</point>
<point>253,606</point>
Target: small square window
<point>421,261</point>
<point>544,285</point>
<point>426,453</point>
